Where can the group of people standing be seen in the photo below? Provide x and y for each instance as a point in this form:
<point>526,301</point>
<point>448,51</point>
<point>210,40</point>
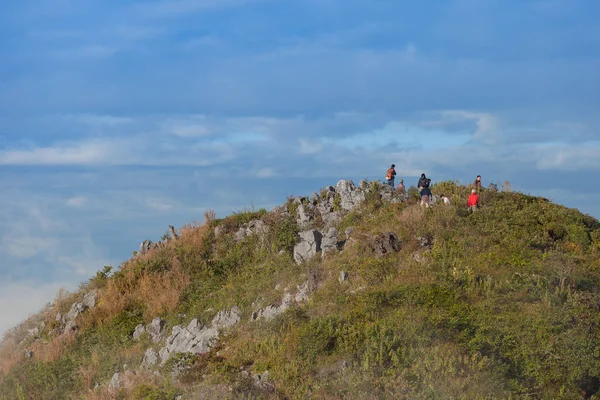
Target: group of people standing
<point>425,191</point>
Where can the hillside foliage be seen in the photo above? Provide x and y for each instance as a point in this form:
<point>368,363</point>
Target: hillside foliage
<point>500,303</point>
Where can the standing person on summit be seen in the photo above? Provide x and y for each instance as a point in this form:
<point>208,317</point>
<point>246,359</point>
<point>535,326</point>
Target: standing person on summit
<point>390,175</point>
<point>473,201</point>
<point>424,182</point>
<point>477,183</point>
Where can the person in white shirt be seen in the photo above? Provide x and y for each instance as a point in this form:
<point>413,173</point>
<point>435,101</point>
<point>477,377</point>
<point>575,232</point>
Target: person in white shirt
<point>445,199</point>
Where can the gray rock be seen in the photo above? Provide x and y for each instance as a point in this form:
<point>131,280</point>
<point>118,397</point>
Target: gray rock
<point>90,299</point>
<point>59,317</point>
<point>329,241</point>
<point>71,326</point>
<point>28,353</point>
<point>425,241</point>
<point>387,192</point>
<point>253,227</point>
<point>218,230</point>
<point>115,382</point>
<point>302,217</point>
<point>348,231</point>
<point>146,246</point>
<point>343,276</point>
<point>226,319</point>
<point>156,329</point>
<point>350,195</point>
<point>309,245</point>
<point>385,244</point>
<point>332,218</point>
<point>138,332</point>
<point>150,358</point>
<point>493,187</point>
<point>33,331</point>
<point>197,339</point>
<point>303,291</point>
<point>172,233</point>
<point>76,309</point>
<point>270,312</point>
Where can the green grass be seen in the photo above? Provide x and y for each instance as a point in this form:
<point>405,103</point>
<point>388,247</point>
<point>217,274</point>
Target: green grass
<point>505,303</point>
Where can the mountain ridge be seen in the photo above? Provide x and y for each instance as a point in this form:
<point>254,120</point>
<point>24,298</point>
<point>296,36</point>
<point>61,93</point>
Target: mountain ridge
<point>354,292</point>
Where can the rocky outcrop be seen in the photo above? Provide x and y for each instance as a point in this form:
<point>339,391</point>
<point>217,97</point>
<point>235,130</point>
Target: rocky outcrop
<point>350,196</point>
<point>150,358</point>
<point>329,243</point>
<point>385,243</point>
<point>195,338</point>
<point>77,308</point>
<point>303,217</point>
<point>155,330</point>
<point>271,311</point>
<point>309,244</point>
<point>251,228</point>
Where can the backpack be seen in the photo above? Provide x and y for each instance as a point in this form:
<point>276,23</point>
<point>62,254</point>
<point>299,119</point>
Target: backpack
<point>389,175</point>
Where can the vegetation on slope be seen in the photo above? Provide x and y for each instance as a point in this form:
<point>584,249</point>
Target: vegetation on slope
<point>500,303</point>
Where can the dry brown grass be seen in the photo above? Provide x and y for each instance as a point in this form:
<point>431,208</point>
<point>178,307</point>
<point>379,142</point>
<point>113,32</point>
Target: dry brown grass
<point>9,355</point>
<point>52,350</point>
<point>159,292</point>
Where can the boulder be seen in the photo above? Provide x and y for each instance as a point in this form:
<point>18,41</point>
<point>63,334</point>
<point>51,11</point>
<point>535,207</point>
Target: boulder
<point>146,246</point>
<point>138,332</point>
<point>350,195</point>
<point>150,358</point>
<point>226,319</point>
<point>197,339</point>
<point>71,326</point>
<point>76,309</point>
<point>385,243</point>
<point>115,382</point>
<point>308,246</point>
<point>172,233</point>
<point>251,228</point>
<point>271,311</point>
<point>155,329</point>
<point>90,299</point>
<point>329,241</point>
<point>303,218</point>
<point>343,276</point>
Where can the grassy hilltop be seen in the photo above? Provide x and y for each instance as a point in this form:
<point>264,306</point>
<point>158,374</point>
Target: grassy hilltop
<point>501,303</point>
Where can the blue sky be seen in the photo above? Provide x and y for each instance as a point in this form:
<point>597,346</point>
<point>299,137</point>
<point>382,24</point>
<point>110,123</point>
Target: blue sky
<point>118,118</point>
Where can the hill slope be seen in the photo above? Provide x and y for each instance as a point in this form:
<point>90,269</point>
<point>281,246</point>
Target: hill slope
<point>355,293</point>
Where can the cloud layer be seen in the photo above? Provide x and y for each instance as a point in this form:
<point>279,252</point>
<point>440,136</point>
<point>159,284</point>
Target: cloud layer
<point>118,121</point>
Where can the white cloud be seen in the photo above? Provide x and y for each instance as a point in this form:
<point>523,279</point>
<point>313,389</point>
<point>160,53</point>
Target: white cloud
<point>82,153</point>
<point>98,120</point>
<point>265,173</point>
<point>77,201</point>
<point>487,124</point>
<point>309,146</point>
<point>21,299</point>
<point>158,204</point>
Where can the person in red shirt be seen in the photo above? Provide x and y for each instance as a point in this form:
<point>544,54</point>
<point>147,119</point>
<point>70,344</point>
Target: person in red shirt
<point>473,201</point>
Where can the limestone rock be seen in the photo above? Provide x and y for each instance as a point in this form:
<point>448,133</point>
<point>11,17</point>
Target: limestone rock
<point>226,319</point>
<point>138,332</point>
<point>71,326</point>
<point>197,339</point>
<point>329,242</point>
<point>155,329</point>
<point>309,245</point>
<point>115,382</point>
<point>350,195</point>
<point>343,276</point>
<point>303,218</point>
<point>384,244</point>
<point>150,358</point>
<point>172,233</point>
<point>90,299</point>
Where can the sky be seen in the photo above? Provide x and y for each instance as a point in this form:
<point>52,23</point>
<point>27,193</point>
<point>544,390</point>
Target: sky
<point>119,118</point>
